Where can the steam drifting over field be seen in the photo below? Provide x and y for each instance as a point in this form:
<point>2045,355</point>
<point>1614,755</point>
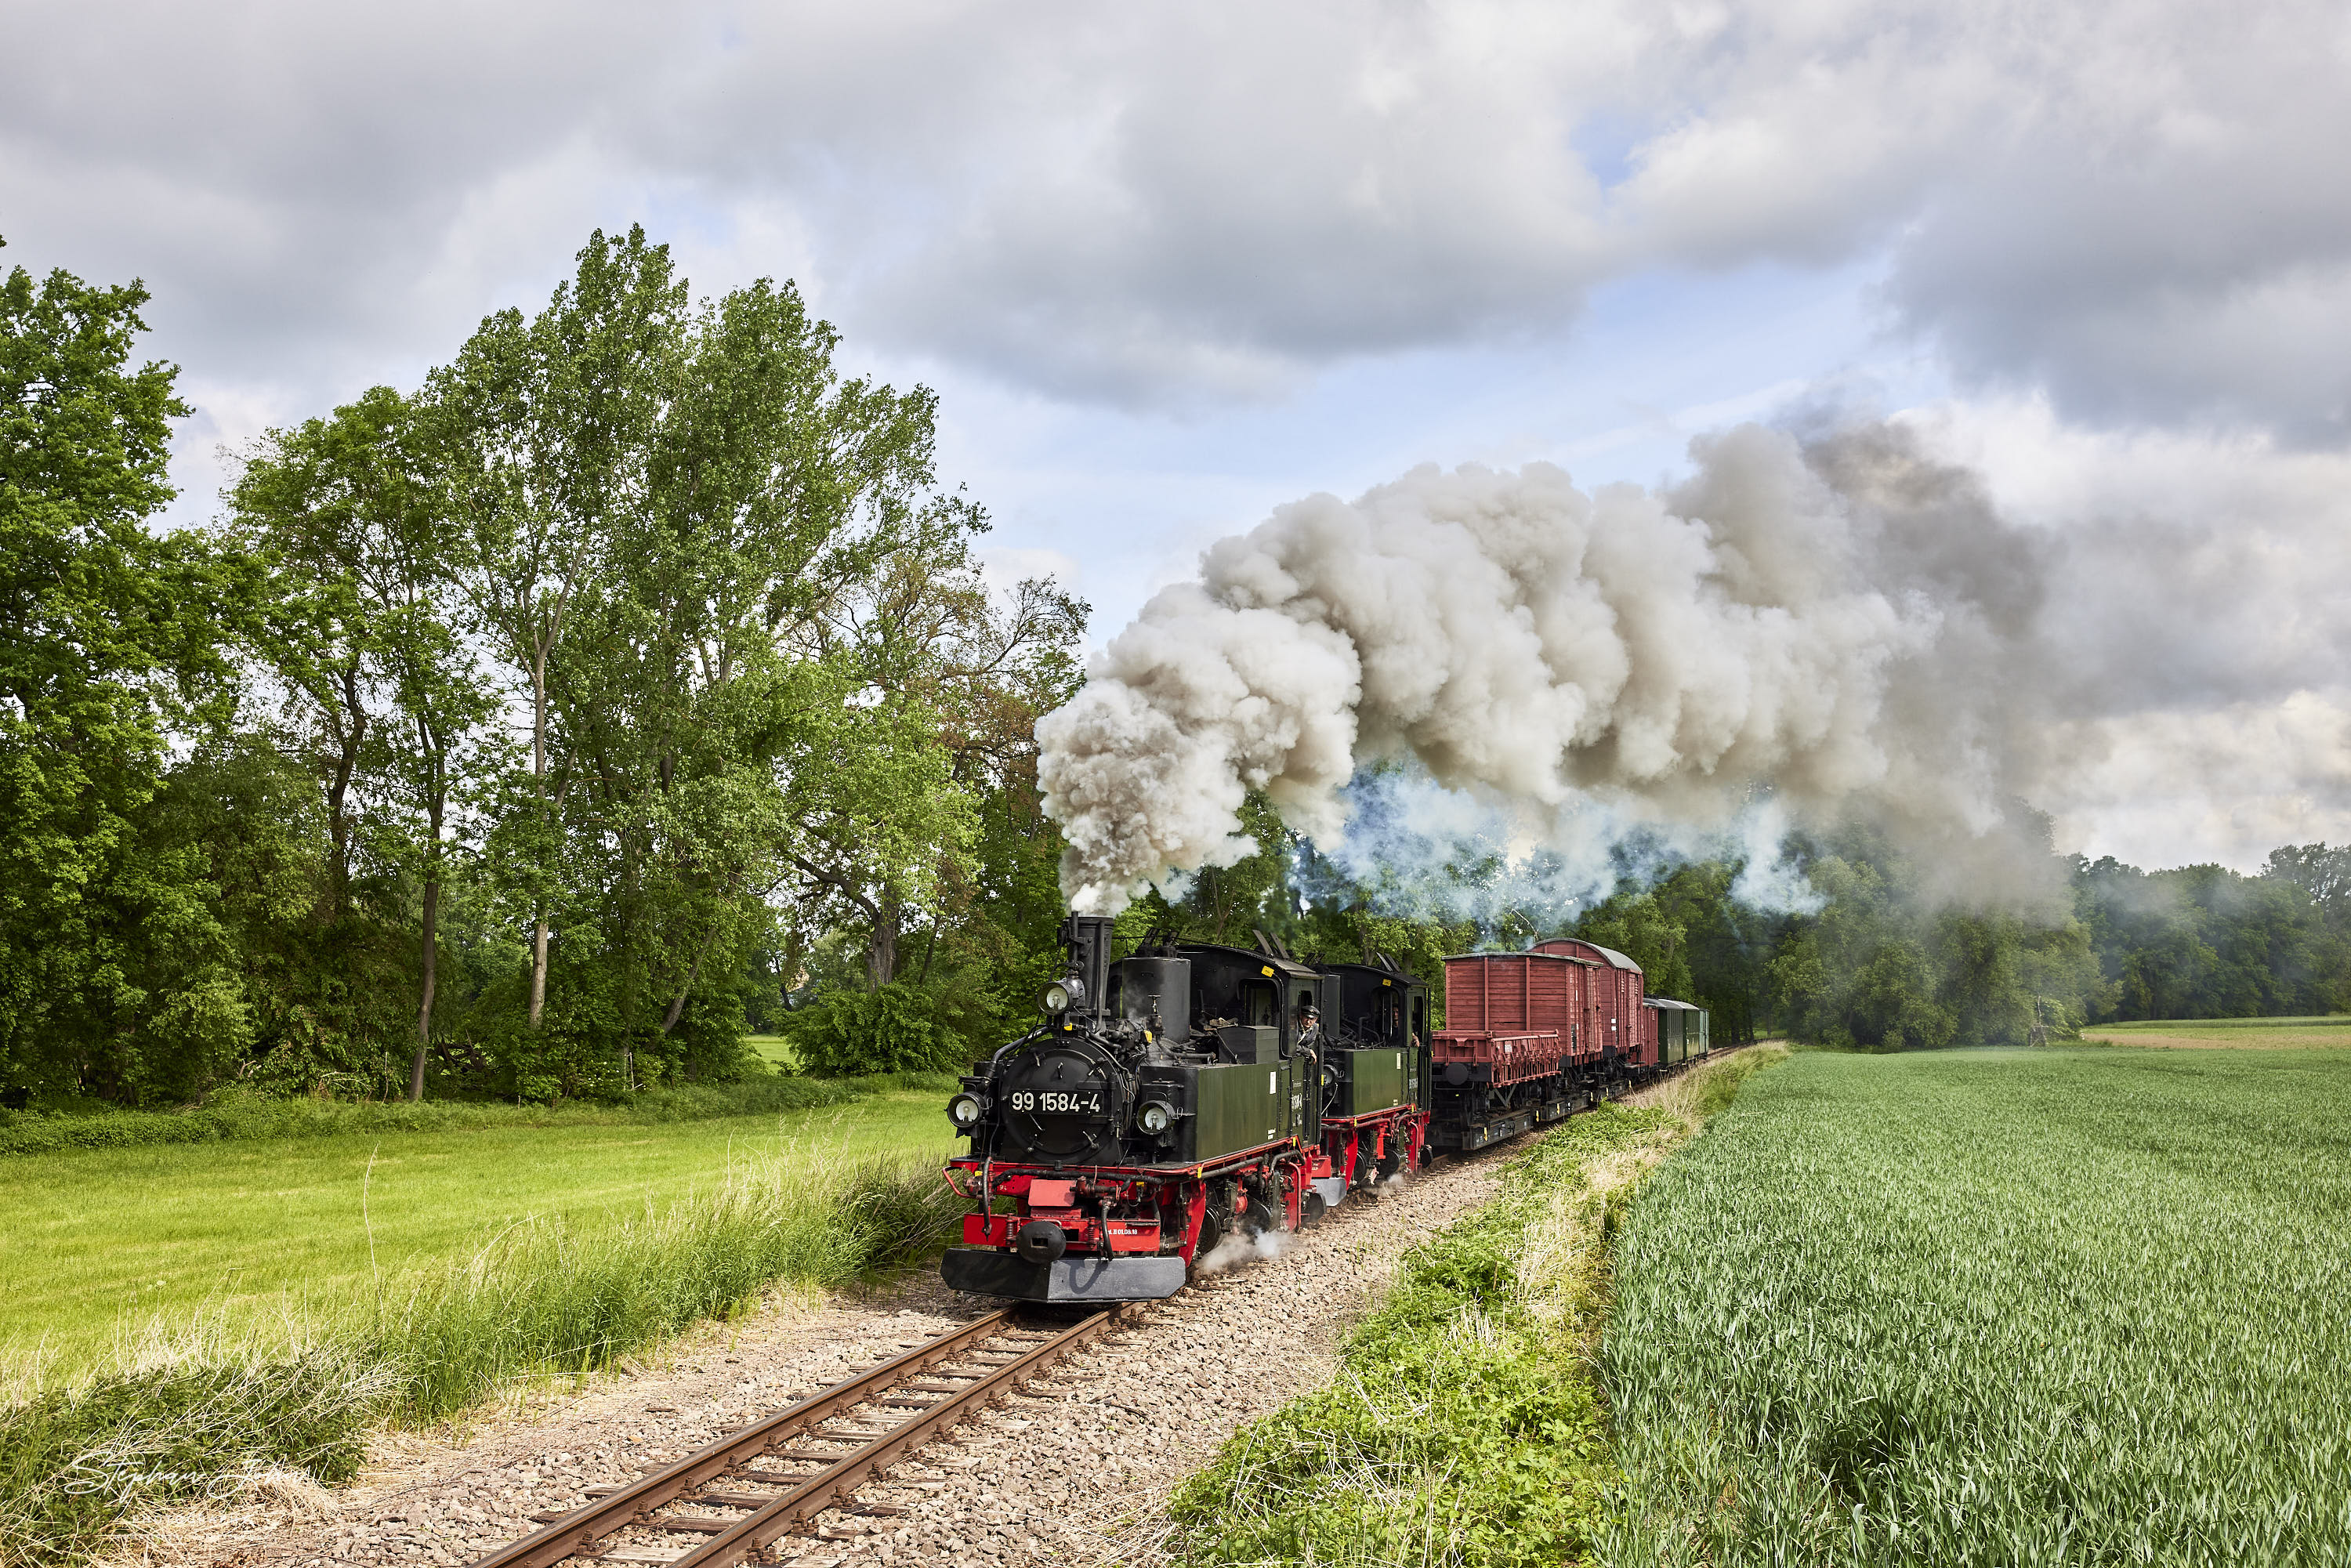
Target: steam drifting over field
<point>1829,625</point>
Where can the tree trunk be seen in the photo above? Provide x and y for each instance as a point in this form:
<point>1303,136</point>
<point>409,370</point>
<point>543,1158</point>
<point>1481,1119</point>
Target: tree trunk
<point>349,737</point>
<point>538,970</point>
<point>881,954</point>
<point>432,935</point>
<point>693,973</point>
<point>538,784</point>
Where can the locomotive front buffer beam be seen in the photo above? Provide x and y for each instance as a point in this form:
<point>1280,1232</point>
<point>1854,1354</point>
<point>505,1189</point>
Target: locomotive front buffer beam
<point>1065,1279</point>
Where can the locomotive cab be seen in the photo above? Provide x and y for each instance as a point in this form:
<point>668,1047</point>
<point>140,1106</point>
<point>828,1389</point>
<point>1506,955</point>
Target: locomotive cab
<point>1378,1033</point>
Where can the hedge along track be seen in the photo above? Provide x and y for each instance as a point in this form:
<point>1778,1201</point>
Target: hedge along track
<point>807,1458</point>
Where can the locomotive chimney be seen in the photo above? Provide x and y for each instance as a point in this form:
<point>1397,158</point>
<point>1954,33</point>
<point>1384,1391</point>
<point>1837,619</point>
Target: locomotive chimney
<point>1088,939</point>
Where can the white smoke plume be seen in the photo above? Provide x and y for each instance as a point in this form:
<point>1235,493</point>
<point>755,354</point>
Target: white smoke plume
<point>1237,1248</point>
<point>1835,625</point>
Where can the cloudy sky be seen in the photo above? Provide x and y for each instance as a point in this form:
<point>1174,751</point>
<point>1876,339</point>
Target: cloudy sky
<point>1171,265</point>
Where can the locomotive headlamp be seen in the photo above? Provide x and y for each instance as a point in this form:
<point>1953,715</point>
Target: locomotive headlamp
<point>1062,995</point>
<point>1153,1117</point>
<point>963,1110</point>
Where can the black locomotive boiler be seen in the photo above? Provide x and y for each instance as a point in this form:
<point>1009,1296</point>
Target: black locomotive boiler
<point>1183,1094</point>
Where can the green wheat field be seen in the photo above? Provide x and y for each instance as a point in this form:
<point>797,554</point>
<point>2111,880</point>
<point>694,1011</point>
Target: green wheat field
<point>1994,1308</point>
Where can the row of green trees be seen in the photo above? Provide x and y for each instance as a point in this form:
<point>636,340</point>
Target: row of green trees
<point>633,681</point>
<point>499,730</point>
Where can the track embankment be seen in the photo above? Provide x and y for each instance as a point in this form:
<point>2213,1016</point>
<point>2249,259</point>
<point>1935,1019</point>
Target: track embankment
<point>1071,1467</point>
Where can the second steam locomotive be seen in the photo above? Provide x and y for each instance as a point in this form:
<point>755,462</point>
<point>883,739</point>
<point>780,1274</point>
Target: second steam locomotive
<point>1190,1094</point>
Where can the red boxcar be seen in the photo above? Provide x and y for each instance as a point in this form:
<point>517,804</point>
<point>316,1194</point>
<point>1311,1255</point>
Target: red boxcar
<point>1517,1029</point>
<point>1531,1037</point>
<point>1618,1022</point>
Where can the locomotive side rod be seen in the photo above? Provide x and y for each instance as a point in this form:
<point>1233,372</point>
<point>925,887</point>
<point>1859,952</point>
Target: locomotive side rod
<point>576,1533</point>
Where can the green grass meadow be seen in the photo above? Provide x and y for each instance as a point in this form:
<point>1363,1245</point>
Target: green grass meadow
<point>104,1246</point>
<point>1994,1308</point>
<point>774,1050</point>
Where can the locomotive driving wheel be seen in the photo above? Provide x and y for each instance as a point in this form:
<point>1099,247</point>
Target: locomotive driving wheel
<point>1212,1236</point>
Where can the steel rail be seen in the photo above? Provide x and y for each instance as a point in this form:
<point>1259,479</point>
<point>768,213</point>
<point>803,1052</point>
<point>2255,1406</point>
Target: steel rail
<point>578,1532</point>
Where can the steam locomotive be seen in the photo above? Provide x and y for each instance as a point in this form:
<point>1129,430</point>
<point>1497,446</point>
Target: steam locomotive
<point>1191,1093</point>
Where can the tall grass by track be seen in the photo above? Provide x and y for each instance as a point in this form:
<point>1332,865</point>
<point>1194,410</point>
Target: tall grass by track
<point>552,1297</point>
<point>1463,1427</point>
<point>203,1416</point>
<point>1995,1308</point>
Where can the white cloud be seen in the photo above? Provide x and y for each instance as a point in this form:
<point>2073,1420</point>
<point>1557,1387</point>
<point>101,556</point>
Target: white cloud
<point>2194,635</point>
<point>2140,206</point>
<point>2228,785</point>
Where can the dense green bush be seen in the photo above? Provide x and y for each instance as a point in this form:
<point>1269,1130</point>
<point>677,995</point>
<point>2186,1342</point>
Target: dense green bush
<point>894,1029</point>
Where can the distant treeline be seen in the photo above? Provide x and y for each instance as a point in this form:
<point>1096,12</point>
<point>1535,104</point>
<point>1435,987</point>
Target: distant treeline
<point>1879,965</point>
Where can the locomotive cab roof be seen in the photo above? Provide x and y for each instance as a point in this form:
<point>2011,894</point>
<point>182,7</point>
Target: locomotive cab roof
<point>1381,971</point>
<point>1272,963</point>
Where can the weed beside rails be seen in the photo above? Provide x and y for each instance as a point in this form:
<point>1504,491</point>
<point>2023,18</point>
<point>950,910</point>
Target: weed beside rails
<point>197,1423</point>
<point>1465,1426</point>
<point>195,1419</point>
<point>1994,1308</point>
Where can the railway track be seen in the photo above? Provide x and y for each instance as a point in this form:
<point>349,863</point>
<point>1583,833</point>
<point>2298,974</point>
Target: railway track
<point>747,1492</point>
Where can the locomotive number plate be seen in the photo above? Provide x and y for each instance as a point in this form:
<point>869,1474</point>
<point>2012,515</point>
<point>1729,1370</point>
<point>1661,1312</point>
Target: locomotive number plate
<point>1053,1100</point>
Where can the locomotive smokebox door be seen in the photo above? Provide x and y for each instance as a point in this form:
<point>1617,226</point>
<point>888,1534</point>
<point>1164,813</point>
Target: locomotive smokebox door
<point>1063,1103</point>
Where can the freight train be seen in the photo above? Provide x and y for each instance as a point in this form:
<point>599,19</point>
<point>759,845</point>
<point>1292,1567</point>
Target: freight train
<point>1192,1094</point>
